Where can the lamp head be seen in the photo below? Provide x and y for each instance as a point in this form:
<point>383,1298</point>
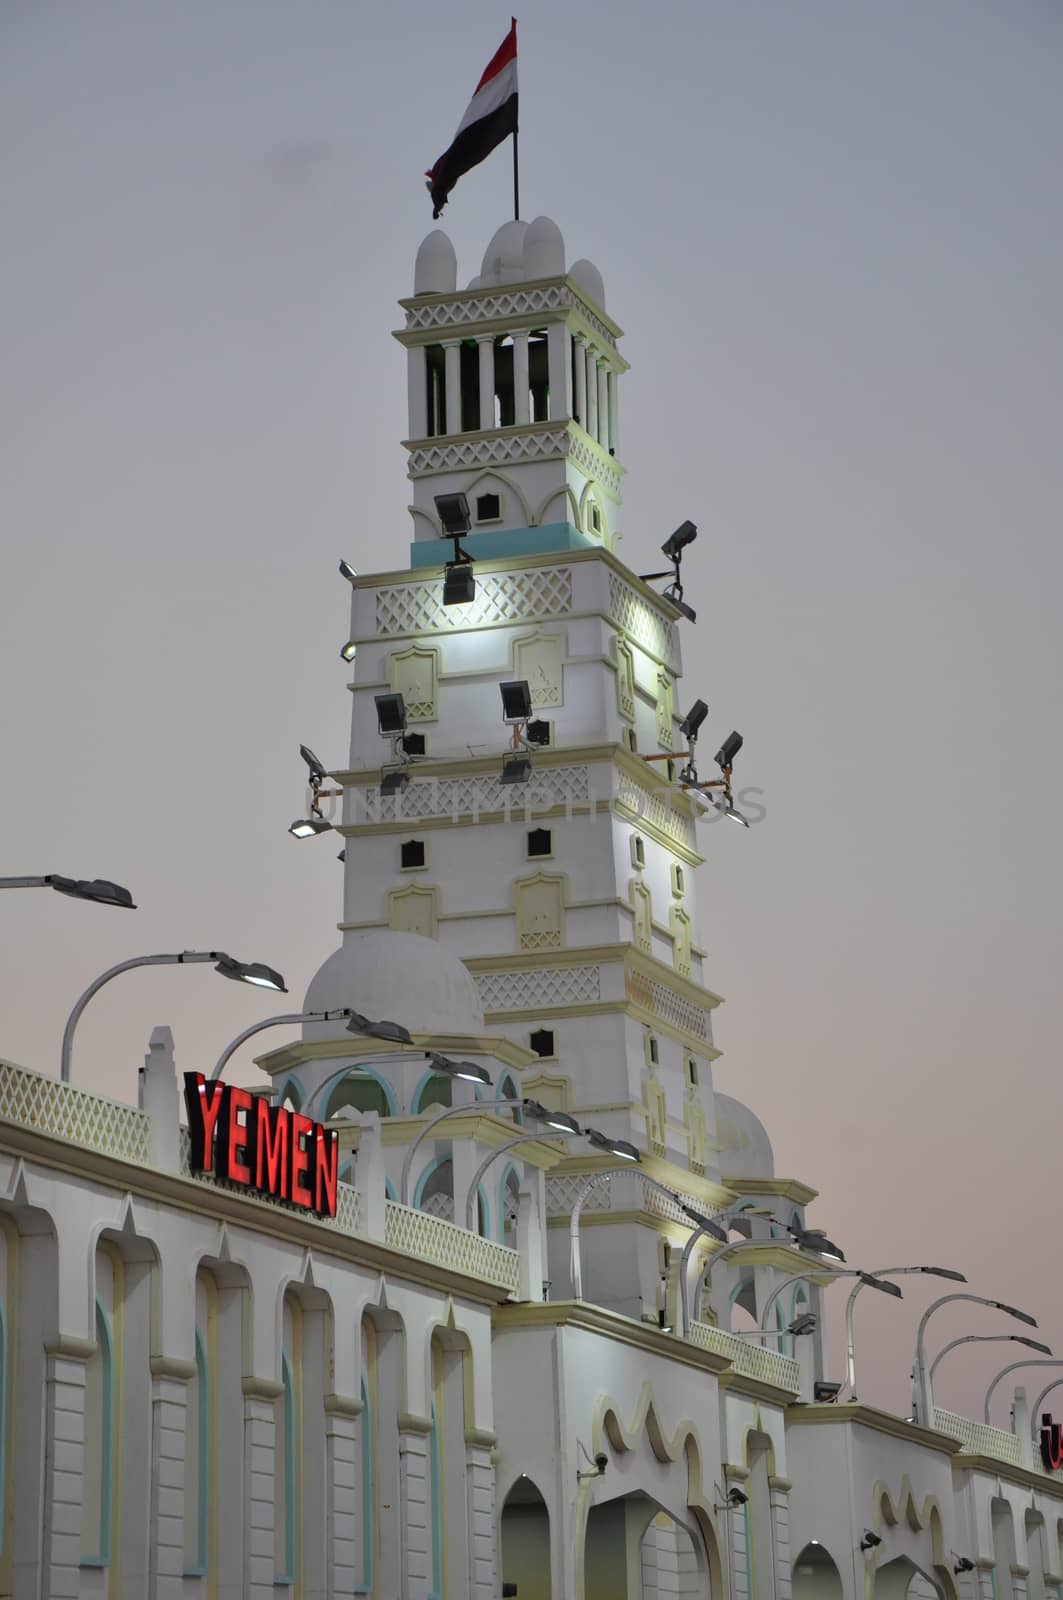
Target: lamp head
<point>100,890</point>
<point>615,1147</point>
<point>453,513</point>
<point>317,770</point>
<point>459,585</point>
<point>253,972</point>
<point>705,1224</point>
<point>515,769</point>
<point>516,700</point>
<point>725,755</point>
<point>348,651</point>
<point>559,1120</point>
<point>307,827</point>
<point>390,714</point>
<point>1013,1311</point>
<point>394,781</point>
<point>677,542</point>
<point>693,720</point>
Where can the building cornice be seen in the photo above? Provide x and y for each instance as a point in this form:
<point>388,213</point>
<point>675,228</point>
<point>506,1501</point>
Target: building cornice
<point>608,1325</point>
<point>790,1188</point>
<point>863,1416</point>
<point>287,1056</point>
<point>431,317</point>
<point>755,1388</point>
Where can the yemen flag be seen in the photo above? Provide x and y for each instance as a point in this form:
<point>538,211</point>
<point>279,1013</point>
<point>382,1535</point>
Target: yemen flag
<point>491,116</point>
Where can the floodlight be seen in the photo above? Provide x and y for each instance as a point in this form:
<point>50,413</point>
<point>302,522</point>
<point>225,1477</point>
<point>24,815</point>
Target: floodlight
<point>693,720</point>
<point>413,744</point>
<point>307,827</point>
<point>347,571</point>
<point>469,1071</point>
<point>685,534</point>
<point>395,781</point>
<point>453,513</point>
<point>726,809</point>
<point>515,769</point>
<point>615,1147</point>
<point>803,1324</point>
<point>881,1283</point>
<point>553,1119</point>
<point>516,700</point>
<point>680,604</point>
<point>725,755</point>
<point>317,770</point>
<point>378,1030</point>
<point>459,585</point>
<point>390,714</point>
<point>348,651</point>
<point>100,890</point>
<point>825,1391</point>
<point>704,1224</point>
<point>816,1240</point>
<point>870,1541</point>
<point>254,972</point>
<point>1013,1311</point>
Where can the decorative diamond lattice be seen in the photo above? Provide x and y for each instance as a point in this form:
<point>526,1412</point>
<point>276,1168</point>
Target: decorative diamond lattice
<point>429,1238</point>
<point>751,1359</point>
<point>439,1205</point>
<point>641,622</point>
<point>550,940</point>
<point>978,1438</point>
<point>677,1010</point>
<point>417,608</point>
<point>508,303</point>
<point>562,1193</point>
<point>472,796</point>
<point>507,449</point>
<point>594,464</point>
<point>550,986</point>
<point>90,1120</point>
<point>657,811</point>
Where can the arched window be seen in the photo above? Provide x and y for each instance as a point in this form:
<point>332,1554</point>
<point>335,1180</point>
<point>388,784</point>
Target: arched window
<point>435,1089</point>
<point>508,1090</point>
<point>197,1461</point>
<point>508,1201</point>
<point>291,1095</point>
<point>362,1091</point>
<point>284,1476</point>
<point>98,1477</point>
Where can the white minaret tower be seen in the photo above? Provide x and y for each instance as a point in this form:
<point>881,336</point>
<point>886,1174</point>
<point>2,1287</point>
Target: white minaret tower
<point>567,898</point>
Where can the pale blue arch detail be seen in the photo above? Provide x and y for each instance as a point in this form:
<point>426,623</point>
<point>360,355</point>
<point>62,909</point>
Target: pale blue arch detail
<point>199,1569</point>
<point>103,1338</point>
<point>368,1494</point>
<point>363,1072</point>
<point>510,1168</point>
<point>415,1098</point>
<point>426,1174</point>
<point>292,1086</point>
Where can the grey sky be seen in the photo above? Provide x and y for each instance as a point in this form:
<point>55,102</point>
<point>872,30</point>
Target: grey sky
<point>832,231</point>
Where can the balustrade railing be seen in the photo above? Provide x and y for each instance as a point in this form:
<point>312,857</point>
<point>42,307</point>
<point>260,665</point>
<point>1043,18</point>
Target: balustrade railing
<point>752,1360</point>
<point>417,1233</point>
<point>73,1114</point>
<point>978,1438</point>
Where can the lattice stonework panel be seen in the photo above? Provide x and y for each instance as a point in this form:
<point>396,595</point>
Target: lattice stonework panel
<point>429,1238</point>
<point>469,797</point>
<point>657,811</point>
<point>414,674</point>
<point>414,608</point>
<point>52,1106</point>
<point>499,307</point>
<point>639,620</point>
<point>562,1193</point>
<point>509,450</point>
<point>549,986</point>
<point>666,1004</point>
<point>750,1359</point>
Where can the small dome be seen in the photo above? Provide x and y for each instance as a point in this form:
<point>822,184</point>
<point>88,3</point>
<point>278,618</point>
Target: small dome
<point>504,257</point>
<point>436,268</point>
<point>544,249</point>
<point>745,1149</point>
<point>473,283</point>
<point>395,977</point>
<point>586,275</point>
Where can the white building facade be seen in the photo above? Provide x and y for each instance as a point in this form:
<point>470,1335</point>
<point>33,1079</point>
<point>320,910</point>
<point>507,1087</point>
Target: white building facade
<point>497,1362</point>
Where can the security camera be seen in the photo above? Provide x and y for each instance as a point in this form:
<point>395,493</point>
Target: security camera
<point>601,1461</point>
<point>737,1498</point>
<point>962,1563</point>
<point>870,1541</point>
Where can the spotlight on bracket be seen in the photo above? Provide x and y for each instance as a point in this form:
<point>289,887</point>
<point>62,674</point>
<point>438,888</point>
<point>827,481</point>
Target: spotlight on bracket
<point>348,651</point>
<point>516,701</point>
<point>693,720</point>
<point>515,769</point>
<point>826,1392</point>
<point>317,770</point>
<point>673,548</point>
<point>307,827</point>
<point>348,572</point>
<point>459,585</point>
<point>725,755</point>
<point>395,781</point>
<point>390,714</point>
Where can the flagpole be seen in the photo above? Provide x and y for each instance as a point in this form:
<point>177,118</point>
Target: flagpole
<point>516,180</point>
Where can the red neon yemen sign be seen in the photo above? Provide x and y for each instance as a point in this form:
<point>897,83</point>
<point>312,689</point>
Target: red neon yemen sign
<point>240,1137</point>
<point>1051,1443</point>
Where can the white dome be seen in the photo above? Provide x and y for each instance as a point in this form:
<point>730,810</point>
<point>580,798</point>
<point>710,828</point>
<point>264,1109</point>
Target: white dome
<point>745,1149</point>
<point>586,274</point>
<point>544,249</point>
<point>504,257</point>
<point>436,268</point>
<point>395,977</point>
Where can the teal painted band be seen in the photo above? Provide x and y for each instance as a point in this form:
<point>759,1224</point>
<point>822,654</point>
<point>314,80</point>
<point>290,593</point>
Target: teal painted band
<point>501,543</point>
<point>368,1519</point>
<point>437,1508</point>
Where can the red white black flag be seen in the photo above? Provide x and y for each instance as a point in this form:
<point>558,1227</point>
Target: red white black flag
<point>491,116</point>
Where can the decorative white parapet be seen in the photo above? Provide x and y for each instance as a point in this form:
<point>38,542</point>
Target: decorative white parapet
<point>978,1438</point>
<point>67,1112</point>
<point>416,1233</point>
<point>752,1360</point>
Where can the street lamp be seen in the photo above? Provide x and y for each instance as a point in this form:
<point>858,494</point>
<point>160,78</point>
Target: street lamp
<point>475,1108</point>
<point>605,1176</point>
<point>571,1132</point>
<point>885,1272</point>
<point>986,1338</point>
<point>1012,1367</point>
<point>923,1396</point>
<point>253,972</point>
<point>1039,1402</point>
<point>100,890</point>
<point>872,1280</point>
<point>273,1022</point>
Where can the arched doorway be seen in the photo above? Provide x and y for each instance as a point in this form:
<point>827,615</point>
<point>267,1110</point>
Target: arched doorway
<point>526,1541</point>
<point>901,1579</point>
<point>815,1576</point>
<point>635,1550</point>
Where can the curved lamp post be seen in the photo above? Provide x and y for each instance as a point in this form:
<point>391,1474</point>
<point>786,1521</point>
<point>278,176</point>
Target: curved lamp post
<point>553,1120</point>
<point>923,1394</point>
<point>376,1030</point>
<point>868,1278</point>
<point>814,1240</point>
<point>1039,1402</point>
<point>1012,1367</point>
<point>253,972</point>
<point>101,890</point>
<point>446,1111</point>
<point>985,1338</point>
<point>883,1272</point>
<point>575,1253</point>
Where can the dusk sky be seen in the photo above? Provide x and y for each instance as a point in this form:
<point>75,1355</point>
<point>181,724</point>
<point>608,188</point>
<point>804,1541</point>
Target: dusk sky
<point>832,232</point>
